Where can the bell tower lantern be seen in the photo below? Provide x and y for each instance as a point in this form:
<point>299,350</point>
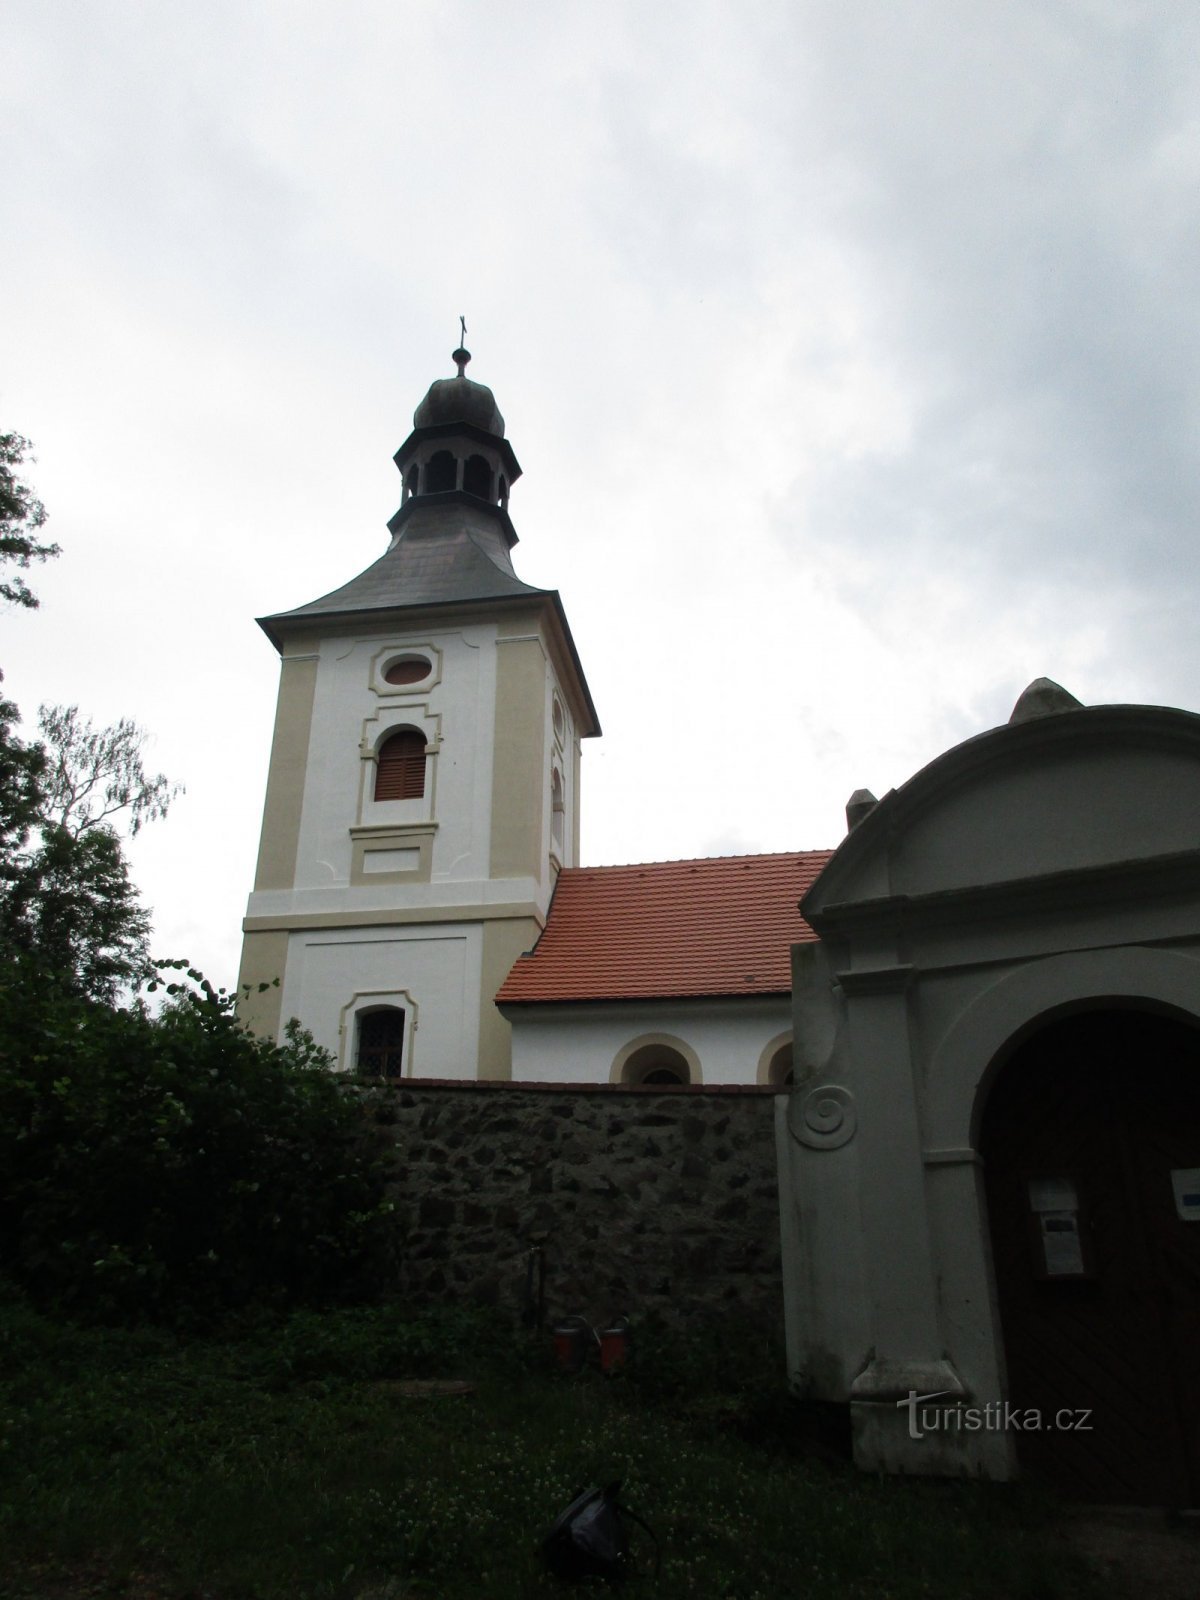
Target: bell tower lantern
<point>457,442</point>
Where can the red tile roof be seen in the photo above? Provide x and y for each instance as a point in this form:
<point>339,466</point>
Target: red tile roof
<point>723,925</point>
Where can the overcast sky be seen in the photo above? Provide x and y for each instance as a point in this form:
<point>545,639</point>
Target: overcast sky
<point>850,351</point>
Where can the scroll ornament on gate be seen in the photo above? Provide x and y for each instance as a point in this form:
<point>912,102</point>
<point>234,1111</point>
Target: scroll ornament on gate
<point>824,1118</point>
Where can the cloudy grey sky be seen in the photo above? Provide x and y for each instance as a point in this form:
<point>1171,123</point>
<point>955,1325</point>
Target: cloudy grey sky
<point>850,351</point>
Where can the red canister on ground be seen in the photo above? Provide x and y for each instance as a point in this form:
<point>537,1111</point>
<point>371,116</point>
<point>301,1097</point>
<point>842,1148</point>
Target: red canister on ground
<point>614,1345</point>
<point>571,1339</point>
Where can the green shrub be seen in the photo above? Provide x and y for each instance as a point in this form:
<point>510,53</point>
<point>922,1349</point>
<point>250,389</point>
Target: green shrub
<point>362,1344</point>
<point>175,1167</point>
<point>726,1355</point>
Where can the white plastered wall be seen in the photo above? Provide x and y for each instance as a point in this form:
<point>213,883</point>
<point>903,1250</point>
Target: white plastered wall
<point>432,973</point>
<point>354,711</point>
<point>579,1044</point>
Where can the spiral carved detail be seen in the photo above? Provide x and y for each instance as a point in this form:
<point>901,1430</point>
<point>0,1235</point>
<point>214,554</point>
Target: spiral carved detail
<point>825,1118</point>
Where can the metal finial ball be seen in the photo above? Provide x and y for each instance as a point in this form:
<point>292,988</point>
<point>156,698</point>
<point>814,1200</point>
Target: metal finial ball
<point>460,359</point>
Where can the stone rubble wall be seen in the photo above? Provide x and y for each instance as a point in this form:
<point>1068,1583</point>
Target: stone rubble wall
<point>642,1200</point>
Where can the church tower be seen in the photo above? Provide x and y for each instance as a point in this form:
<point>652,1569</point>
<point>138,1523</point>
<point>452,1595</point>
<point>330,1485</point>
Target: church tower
<point>423,791</point>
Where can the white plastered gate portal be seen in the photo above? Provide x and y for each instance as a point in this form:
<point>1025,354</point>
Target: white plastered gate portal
<point>1048,866</point>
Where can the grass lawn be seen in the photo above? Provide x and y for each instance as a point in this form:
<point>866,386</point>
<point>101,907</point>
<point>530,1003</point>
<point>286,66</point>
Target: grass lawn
<point>286,1461</point>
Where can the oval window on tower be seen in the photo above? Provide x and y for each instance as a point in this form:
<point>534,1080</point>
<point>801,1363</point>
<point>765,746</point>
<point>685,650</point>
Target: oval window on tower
<point>406,669</point>
<point>558,719</point>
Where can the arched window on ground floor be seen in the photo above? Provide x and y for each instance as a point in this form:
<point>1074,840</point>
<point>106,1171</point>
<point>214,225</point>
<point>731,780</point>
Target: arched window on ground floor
<point>781,1071</point>
<point>656,1063</point>
<point>776,1065</point>
<point>379,1045</point>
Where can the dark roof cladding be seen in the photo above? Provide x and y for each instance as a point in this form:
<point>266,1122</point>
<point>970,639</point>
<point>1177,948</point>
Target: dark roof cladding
<point>450,551</point>
<point>460,399</point>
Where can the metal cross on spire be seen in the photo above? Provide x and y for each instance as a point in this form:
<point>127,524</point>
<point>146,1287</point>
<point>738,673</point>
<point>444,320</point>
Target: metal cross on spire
<point>462,355</point>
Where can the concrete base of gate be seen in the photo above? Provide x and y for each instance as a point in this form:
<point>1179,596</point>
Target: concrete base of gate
<point>945,1436</point>
<point>886,1438</point>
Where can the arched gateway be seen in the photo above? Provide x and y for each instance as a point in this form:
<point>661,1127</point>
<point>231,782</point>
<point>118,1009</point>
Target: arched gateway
<point>990,1181</point>
<point>1091,1151</point>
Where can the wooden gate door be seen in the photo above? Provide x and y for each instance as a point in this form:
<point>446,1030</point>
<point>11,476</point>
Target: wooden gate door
<point>1091,1145</point>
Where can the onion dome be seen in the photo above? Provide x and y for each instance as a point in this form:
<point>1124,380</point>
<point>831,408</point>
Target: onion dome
<point>460,400</point>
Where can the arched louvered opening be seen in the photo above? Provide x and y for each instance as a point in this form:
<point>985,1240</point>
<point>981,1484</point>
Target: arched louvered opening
<point>441,473</point>
<point>410,483</point>
<point>400,766</point>
<point>379,1051</point>
<point>556,806</point>
<point>656,1063</point>
<point>477,477</point>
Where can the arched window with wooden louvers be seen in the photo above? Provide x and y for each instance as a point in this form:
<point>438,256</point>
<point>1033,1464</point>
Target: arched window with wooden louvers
<point>477,477</point>
<point>400,766</point>
<point>380,1051</point>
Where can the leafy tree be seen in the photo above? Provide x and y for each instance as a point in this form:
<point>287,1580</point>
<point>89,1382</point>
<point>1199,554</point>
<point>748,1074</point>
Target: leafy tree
<point>71,913</point>
<point>94,774</point>
<point>21,794</point>
<point>176,1166</point>
<point>172,1165</point>
<point>68,908</point>
<point>21,515</point>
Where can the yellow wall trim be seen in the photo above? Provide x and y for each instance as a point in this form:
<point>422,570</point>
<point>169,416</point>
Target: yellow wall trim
<point>416,837</point>
<point>503,942</point>
<point>287,773</point>
<point>264,956</point>
<point>519,776</point>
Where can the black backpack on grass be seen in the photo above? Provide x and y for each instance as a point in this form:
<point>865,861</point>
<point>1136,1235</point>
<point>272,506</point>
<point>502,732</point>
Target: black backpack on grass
<point>589,1540</point>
